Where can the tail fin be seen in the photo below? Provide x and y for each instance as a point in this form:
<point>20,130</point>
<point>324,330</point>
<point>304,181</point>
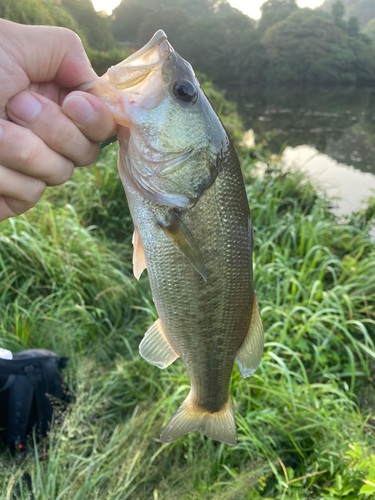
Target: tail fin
<point>219,426</point>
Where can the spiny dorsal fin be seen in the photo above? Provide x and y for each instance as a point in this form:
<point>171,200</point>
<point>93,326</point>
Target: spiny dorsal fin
<point>139,261</point>
<point>251,350</point>
<point>155,347</point>
<point>182,238</point>
<point>219,425</point>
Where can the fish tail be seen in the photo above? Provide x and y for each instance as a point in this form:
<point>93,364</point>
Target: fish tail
<point>219,425</point>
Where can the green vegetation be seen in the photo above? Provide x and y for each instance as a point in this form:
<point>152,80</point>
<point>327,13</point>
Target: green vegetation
<point>325,51</point>
<point>364,10</point>
<point>289,44</point>
<point>305,419</point>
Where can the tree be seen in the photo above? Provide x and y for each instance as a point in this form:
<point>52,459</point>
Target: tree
<point>126,19</point>
<point>370,29</point>
<point>363,9</point>
<point>337,12</point>
<point>274,11</point>
<point>309,47</point>
<point>48,12</point>
<point>95,26</point>
<point>225,48</point>
<point>353,27</point>
<point>169,20</point>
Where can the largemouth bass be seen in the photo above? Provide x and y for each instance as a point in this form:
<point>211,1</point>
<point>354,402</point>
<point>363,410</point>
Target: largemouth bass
<point>193,231</point>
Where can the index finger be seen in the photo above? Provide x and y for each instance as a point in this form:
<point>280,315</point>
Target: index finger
<point>90,115</point>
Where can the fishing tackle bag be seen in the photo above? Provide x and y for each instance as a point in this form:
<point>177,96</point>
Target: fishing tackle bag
<point>29,383</point>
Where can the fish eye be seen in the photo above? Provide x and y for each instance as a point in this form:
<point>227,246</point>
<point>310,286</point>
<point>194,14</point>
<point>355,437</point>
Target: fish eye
<point>185,91</point>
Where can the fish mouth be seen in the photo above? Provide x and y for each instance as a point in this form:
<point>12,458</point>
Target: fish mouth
<point>140,65</point>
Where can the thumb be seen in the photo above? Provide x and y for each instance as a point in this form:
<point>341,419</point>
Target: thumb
<point>47,53</point>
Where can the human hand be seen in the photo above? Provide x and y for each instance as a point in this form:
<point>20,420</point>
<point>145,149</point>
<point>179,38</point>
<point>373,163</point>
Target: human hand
<point>44,129</point>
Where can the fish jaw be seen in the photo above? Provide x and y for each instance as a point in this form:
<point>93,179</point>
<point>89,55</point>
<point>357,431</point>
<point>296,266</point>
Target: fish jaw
<point>135,82</point>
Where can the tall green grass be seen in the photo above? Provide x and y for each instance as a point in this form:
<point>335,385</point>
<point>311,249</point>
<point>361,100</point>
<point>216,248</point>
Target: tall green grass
<point>305,418</point>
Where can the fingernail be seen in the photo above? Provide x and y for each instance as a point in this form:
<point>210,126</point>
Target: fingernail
<point>78,109</point>
<point>24,106</point>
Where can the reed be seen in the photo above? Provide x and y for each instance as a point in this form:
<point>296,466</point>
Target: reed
<point>305,419</point>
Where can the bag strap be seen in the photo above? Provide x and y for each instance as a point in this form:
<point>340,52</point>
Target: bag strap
<point>20,401</point>
<point>8,384</point>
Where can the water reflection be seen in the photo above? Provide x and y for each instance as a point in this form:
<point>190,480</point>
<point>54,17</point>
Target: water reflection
<point>327,132</point>
<point>349,185</point>
<point>338,121</point>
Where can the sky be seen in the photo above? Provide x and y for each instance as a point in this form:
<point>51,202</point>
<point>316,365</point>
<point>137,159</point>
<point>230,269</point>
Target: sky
<point>249,7</point>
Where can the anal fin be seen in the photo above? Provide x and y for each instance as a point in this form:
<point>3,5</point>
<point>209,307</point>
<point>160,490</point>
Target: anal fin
<point>155,347</point>
<point>219,425</point>
<point>139,261</point>
<point>250,353</point>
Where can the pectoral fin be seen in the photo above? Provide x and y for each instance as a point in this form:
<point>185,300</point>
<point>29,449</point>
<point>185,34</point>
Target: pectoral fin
<point>182,238</point>
<point>155,347</point>
<point>251,350</point>
<point>139,261</point>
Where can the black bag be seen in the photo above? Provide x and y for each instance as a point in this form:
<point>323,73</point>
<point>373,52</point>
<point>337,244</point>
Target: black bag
<point>26,384</point>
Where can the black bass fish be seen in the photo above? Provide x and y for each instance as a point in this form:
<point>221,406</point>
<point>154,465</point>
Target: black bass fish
<point>193,231</point>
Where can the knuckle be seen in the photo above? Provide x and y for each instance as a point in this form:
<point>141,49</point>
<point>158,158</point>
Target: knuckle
<point>27,152</point>
<point>60,173</point>
<point>65,173</point>
<point>72,39</point>
<point>66,132</point>
<point>91,155</point>
<point>36,192</point>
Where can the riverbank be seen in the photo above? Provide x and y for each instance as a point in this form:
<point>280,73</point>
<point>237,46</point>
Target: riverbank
<point>308,412</point>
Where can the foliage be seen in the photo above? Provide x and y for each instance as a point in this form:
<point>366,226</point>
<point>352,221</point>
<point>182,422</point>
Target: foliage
<point>369,30</point>
<point>94,26</point>
<point>65,267</point>
<point>337,12</point>
<point>169,20</point>
<point>219,47</point>
<point>275,11</point>
<point>126,19</point>
<point>219,40</point>
<point>308,46</point>
<point>364,10</point>
<point>102,60</point>
<point>48,12</point>
<point>232,49</point>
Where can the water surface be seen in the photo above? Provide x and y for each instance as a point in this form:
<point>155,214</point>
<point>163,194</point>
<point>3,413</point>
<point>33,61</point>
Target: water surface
<point>327,132</point>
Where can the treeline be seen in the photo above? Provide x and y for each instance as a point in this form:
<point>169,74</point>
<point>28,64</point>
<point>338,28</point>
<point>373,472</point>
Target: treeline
<point>288,44</point>
<point>364,10</point>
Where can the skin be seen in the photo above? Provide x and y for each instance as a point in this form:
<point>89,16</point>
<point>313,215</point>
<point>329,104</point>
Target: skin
<point>45,128</point>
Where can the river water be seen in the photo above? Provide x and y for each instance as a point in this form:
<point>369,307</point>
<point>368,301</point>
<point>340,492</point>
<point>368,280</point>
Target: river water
<point>327,132</point>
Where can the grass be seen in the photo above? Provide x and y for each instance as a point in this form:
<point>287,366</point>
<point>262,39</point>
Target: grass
<point>305,419</point>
